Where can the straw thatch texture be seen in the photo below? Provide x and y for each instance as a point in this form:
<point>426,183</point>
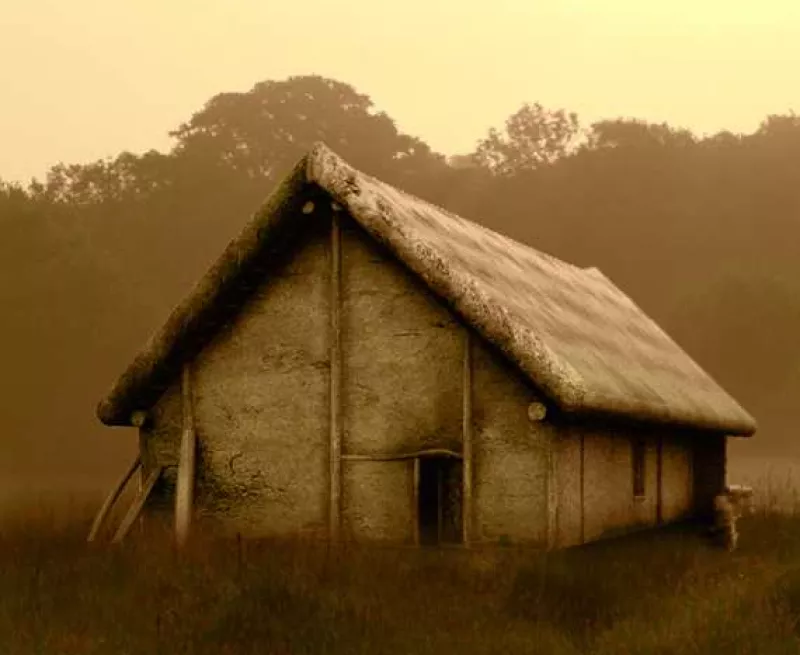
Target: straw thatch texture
<point>577,337</point>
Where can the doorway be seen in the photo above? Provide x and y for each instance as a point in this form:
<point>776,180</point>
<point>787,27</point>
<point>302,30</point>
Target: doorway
<point>439,485</point>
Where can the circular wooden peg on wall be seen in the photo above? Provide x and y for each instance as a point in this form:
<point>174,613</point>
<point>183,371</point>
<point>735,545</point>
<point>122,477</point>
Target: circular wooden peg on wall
<point>537,411</point>
<point>138,418</point>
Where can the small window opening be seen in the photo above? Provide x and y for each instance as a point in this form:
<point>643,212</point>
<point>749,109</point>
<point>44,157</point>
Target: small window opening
<point>439,500</point>
<point>639,459</point>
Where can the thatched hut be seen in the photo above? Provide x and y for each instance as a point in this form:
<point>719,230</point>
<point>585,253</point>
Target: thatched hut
<point>360,364</point>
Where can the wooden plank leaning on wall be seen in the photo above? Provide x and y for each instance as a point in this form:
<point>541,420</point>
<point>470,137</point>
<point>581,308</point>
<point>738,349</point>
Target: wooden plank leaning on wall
<point>112,498</point>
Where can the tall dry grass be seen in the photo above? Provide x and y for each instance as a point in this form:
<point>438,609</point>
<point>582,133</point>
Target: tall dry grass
<point>658,592</point>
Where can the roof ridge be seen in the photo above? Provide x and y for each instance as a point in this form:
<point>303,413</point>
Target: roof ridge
<point>321,155</point>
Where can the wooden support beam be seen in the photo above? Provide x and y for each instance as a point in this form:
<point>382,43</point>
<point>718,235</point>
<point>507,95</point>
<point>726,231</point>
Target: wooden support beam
<point>184,493</point>
<point>659,478</point>
<point>394,457</point>
<point>583,487</point>
<point>335,510</point>
<point>439,504</point>
<point>112,498</point>
<point>137,505</point>
<point>415,500</point>
<point>139,420</point>
<point>466,439</point>
<point>552,491</point>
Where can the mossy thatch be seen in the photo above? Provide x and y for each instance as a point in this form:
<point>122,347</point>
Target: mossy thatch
<point>578,338</point>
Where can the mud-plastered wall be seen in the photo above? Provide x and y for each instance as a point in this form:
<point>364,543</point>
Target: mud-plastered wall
<point>609,505</point>
<point>510,462</point>
<point>568,471</point>
<point>261,402</point>
<point>677,478</point>
<point>402,354</point>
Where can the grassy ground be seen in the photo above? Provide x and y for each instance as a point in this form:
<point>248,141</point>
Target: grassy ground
<point>664,592</point>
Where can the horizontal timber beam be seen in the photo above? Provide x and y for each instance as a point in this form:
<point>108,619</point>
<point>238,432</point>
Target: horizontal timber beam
<point>431,452</point>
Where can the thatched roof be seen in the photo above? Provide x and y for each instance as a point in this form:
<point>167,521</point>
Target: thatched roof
<point>579,339</point>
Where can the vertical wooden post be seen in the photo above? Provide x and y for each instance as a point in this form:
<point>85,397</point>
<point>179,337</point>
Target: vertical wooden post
<point>186,465</point>
<point>724,463</point>
<point>466,437</point>
<point>439,502</point>
<point>659,477</point>
<point>552,508</point>
<point>139,488</point>
<point>692,473</point>
<point>415,500</point>
<point>583,487</point>
<point>336,379</point>
<point>138,419</point>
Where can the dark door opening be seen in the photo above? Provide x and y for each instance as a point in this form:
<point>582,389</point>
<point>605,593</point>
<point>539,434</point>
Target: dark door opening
<point>439,501</point>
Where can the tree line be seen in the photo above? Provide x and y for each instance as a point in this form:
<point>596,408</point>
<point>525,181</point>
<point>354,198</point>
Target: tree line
<point>702,231</point>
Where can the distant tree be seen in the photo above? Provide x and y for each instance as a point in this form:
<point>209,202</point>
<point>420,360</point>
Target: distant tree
<point>241,143</point>
<point>80,184</point>
<point>533,136</point>
<point>780,125</point>
<point>126,177</point>
<point>11,192</point>
<point>261,133</point>
<point>777,142</point>
<point>634,133</point>
<point>723,139</point>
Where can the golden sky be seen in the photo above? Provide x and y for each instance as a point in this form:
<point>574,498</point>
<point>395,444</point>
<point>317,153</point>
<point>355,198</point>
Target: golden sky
<point>84,79</point>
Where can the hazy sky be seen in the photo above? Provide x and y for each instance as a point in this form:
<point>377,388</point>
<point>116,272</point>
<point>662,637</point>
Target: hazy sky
<point>84,79</point>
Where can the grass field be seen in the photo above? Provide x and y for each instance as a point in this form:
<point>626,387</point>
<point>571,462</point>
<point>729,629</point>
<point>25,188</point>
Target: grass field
<point>660,592</point>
